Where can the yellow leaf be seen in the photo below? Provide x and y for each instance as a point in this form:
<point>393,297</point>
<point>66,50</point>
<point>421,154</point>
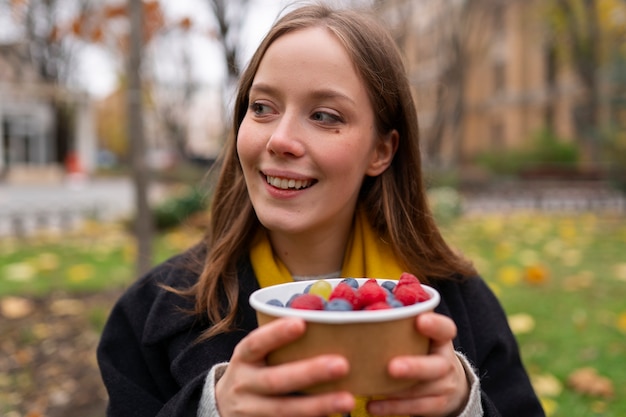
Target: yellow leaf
<point>620,271</point>
<point>546,385</point>
<point>47,262</point>
<point>509,275</point>
<point>521,323</point>
<point>549,406</point>
<point>80,272</point>
<point>621,322</point>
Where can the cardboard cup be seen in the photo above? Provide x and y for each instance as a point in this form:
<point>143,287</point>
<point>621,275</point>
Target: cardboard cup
<point>368,339</point>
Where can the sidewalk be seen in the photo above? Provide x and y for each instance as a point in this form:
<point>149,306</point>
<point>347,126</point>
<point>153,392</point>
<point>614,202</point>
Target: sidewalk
<point>25,208</point>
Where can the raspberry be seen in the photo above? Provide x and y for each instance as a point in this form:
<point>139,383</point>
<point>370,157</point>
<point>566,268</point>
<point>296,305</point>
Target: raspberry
<point>379,305</point>
<point>346,292</point>
<point>308,302</point>
<point>409,294</point>
<point>408,278</point>
<point>370,292</point>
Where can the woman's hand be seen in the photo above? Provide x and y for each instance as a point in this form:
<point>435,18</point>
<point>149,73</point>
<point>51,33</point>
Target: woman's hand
<point>250,388</point>
<point>441,387</point>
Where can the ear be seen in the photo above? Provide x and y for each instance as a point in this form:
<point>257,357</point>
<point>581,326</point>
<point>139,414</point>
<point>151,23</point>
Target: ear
<point>384,152</point>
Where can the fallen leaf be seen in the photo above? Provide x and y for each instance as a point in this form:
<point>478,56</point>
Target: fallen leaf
<point>587,381</point>
<point>19,272</point>
<point>47,262</point>
<point>509,275</point>
<point>67,307</point>
<point>620,271</point>
<point>549,406</point>
<point>521,323</point>
<point>546,385</point>
<point>16,307</point>
<point>80,272</point>
<point>621,322</point>
<point>536,274</point>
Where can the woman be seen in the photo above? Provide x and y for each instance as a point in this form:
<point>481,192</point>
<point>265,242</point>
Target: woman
<point>321,177</point>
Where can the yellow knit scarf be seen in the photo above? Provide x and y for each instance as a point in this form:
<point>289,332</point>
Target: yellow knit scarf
<point>367,255</point>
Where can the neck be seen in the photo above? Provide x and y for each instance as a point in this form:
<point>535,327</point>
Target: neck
<point>311,255</point>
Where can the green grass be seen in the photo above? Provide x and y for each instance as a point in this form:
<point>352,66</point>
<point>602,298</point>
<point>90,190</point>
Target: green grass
<point>98,257</point>
<point>561,280</point>
<point>575,298</point>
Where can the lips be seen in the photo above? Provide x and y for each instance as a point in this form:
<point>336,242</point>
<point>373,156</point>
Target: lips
<point>288,183</point>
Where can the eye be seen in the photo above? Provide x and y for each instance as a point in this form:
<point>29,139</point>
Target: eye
<point>260,109</point>
<point>325,117</point>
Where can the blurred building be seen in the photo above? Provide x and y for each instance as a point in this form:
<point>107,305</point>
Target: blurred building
<point>485,75</point>
<point>45,129</point>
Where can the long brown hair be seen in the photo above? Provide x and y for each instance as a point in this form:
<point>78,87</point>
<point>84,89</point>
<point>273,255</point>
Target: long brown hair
<point>395,201</point>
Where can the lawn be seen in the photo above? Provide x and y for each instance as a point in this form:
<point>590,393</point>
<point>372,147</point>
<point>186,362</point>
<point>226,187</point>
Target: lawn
<point>561,279</point>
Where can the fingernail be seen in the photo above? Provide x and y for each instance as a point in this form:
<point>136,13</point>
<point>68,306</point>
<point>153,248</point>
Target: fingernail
<point>399,368</point>
<point>335,366</point>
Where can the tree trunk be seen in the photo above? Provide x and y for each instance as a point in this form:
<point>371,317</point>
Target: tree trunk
<point>143,216</point>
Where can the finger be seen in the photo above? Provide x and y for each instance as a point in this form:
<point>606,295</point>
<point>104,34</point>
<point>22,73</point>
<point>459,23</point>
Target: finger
<point>261,341</point>
<point>299,375</point>
<point>437,327</point>
<point>301,406</point>
<point>422,406</point>
<point>419,368</point>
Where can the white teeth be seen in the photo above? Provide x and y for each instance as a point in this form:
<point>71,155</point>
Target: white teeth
<point>286,184</point>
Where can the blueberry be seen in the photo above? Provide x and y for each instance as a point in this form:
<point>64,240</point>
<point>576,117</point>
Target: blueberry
<point>275,302</point>
<point>338,304</point>
<point>388,285</point>
<point>307,289</point>
<point>351,282</point>
<point>394,303</point>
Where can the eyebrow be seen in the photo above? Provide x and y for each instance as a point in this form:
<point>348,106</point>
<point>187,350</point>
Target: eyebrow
<point>321,93</point>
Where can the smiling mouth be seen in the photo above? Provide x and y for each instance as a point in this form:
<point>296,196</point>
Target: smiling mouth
<point>288,183</point>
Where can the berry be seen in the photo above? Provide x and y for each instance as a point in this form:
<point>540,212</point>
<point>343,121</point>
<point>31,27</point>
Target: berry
<point>346,292</point>
<point>379,305</point>
<point>293,297</point>
<point>321,288</point>
<point>275,302</point>
<point>408,278</point>
<point>370,292</point>
<point>338,304</point>
<point>409,294</point>
<point>351,282</point>
<point>388,285</point>
<point>308,302</point>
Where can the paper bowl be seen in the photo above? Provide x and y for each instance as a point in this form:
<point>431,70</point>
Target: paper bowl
<point>368,339</point>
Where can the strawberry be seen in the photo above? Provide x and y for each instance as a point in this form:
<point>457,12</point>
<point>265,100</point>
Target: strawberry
<point>370,292</point>
<point>345,292</point>
<point>308,302</point>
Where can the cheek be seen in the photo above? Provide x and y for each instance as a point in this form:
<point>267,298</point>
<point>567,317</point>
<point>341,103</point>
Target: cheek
<point>247,147</point>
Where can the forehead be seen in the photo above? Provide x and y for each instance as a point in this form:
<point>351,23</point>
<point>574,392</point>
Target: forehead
<point>311,54</point>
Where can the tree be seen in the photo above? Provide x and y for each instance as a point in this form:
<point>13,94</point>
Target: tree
<point>44,47</point>
<point>444,35</point>
<point>587,35</point>
<point>143,217</point>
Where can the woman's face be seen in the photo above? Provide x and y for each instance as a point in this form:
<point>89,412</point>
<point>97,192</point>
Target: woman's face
<point>308,138</point>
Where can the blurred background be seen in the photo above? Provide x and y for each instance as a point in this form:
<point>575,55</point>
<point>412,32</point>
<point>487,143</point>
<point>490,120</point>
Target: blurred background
<point>112,114</point>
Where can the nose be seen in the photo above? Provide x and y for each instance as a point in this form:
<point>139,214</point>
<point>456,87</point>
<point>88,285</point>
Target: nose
<point>286,139</point>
